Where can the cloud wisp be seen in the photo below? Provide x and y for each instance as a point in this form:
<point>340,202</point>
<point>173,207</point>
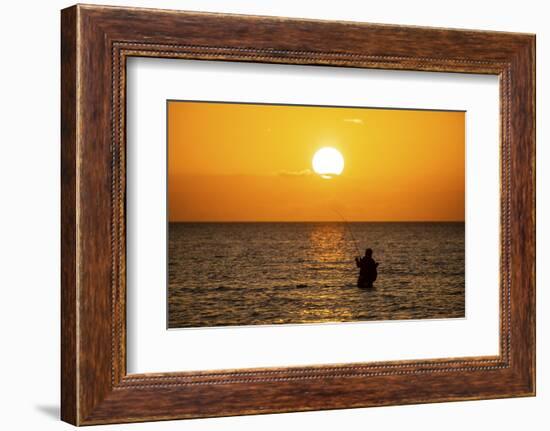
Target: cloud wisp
<point>354,120</point>
<point>302,173</point>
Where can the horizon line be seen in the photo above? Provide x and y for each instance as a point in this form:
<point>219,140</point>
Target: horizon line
<point>316,221</point>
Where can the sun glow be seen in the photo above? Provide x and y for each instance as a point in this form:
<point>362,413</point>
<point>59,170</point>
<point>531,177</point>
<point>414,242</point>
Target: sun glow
<point>328,162</point>
<point>223,174</point>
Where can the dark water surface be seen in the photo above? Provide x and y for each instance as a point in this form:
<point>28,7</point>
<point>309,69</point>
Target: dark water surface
<point>222,274</point>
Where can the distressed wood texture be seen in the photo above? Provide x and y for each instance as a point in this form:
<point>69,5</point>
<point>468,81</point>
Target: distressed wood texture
<point>96,41</point>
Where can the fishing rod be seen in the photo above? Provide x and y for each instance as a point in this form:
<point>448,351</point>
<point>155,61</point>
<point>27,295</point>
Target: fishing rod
<point>349,230</point>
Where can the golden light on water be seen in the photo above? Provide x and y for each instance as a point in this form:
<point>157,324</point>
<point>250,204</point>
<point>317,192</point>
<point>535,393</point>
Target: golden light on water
<point>328,162</point>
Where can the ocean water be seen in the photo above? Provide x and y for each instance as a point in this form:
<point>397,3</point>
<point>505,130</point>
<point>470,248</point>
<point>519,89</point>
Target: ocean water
<point>223,274</point>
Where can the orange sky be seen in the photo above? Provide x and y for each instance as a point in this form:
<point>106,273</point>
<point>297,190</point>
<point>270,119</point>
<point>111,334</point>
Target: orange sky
<point>246,162</point>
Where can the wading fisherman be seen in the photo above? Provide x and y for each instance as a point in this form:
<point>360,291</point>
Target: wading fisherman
<point>367,270</point>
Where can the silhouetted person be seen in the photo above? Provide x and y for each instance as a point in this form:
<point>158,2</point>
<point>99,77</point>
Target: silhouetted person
<point>367,270</point>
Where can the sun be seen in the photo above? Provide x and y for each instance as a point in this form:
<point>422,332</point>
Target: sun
<point>328,162</point>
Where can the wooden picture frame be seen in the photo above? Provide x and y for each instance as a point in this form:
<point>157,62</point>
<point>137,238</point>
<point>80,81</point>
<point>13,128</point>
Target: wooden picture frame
<point>95,43</point>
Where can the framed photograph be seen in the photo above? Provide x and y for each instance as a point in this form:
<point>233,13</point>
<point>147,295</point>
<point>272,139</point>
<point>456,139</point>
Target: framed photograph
<point>264,215</point>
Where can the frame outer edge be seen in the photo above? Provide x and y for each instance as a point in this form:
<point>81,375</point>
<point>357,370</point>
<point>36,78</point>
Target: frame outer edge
<point>531,63</point>
<point>69,301</point>
<point>532,81</point>
<point>523,217</point>
<point>533,53</point>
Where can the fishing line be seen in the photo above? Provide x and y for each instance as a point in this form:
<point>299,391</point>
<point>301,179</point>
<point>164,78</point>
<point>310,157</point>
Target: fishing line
<point>349,230</point>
